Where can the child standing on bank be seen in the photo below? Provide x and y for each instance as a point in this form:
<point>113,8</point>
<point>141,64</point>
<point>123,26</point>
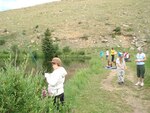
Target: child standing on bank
<point>121,67</point>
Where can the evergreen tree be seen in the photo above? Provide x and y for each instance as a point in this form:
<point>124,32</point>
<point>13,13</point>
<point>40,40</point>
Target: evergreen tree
<point>48,49</point>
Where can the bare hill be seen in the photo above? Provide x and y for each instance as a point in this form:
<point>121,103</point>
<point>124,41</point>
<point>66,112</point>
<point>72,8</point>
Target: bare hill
<point>80,23</point>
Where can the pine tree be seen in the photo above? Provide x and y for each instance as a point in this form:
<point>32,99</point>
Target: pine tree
<point>48,49</point>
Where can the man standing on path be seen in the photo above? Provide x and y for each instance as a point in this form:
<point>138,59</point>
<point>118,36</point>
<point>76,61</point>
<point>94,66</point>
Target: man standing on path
<point>140,62</point>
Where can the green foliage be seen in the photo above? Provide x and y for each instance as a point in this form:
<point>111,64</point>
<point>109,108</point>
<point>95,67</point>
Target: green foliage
<point>49,50</point>
<point>15,49</point>
<point>24,32</point>
<point>113,35</point>
<point>81,52</point>
<point>2,42</point>
<point>66,49</point>
<point>35,55</point>
<point>16,59</point>
<point>20,93</point>
<point>37,26</point>
<point>129,30</point>
<point>117,31</point>
<point>84,37</point>
<point>147,74</point>
<point>5,51</point>
<point>74,86</point>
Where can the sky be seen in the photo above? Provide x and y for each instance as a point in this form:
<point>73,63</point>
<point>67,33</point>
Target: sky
<point>15,4</point>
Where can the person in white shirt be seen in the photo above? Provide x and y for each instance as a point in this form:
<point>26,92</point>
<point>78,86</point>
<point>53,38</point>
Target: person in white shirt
<point>121,66</point>
<point>140,62</point>
<point>56,81</point>
<point>107,54</point>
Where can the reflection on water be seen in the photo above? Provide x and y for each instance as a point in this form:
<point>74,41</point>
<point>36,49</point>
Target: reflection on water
<point>72,64</point>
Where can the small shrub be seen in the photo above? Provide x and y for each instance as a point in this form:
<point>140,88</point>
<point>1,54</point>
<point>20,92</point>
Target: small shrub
<point>20,93</point>
<point>5,52</point>
<point>66,49</point>
<point>2,42</point>
<point>15,49</point>
<point>34,56</point>
<point>37,26</point>
<point>24,32</point>
<point>67,61</point>
<point>117,31</point>
<point>129,29</point>
<point>81,52</point>
<point>113,35</point>
<point>84,37</point>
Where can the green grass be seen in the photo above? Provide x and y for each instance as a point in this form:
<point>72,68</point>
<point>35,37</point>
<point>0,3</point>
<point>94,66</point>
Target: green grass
<point>21,92</point>
<point>147,74</point>
<point>85,95</point>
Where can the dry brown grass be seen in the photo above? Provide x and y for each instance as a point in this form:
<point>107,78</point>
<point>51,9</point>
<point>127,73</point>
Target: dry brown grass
<point>75,18</point>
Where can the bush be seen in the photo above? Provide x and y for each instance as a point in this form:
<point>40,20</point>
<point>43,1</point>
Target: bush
<point>21,93</point>
<point>2,42</point>
<point>81,52</point>
<point>66,49</point>
<point>5,51</point>
<point>84,37</point>
<point>49,50</point>
<point>117,31</point>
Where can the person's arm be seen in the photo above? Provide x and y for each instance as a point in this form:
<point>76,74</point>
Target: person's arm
<point>52,79</point>
<point>125,66</point>
<point>144,59</point>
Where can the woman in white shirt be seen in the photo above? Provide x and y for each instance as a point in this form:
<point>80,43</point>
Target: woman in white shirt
<point>55,81</point>
<point>121,66</point>
<point>140,62</point>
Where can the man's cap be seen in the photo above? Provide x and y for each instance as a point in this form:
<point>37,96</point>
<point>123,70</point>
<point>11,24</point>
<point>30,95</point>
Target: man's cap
<point>57,61</point>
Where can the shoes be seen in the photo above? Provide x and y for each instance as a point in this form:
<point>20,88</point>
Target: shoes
<point>142,84</point>
<point>138,83</point>
<point>120,83</point>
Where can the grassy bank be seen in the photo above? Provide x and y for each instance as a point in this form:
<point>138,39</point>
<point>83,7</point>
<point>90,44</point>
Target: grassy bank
<point>84,91</point>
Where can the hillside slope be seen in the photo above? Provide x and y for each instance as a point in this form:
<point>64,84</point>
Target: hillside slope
<point>80,23</point>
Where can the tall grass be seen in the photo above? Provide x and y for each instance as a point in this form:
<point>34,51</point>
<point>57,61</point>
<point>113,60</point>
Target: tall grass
<point>74,86</point>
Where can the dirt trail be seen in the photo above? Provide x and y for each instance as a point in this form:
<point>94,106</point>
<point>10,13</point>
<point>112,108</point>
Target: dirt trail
<point>132,95</point>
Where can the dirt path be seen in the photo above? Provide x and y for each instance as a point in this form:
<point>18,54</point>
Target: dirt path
<point>132,95</point>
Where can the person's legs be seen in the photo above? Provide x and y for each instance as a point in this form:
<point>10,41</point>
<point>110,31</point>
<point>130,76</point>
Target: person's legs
<point>138,75</point>
<point>122,76</point>
<point>59,99</point>
<point>119,77</point>
<point>142,74</point>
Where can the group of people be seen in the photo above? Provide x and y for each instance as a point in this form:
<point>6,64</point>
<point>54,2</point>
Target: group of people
<point>120,64</point>
<point>56,79</point>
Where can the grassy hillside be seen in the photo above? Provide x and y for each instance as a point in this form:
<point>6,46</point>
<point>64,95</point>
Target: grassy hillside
<point>78,23</point>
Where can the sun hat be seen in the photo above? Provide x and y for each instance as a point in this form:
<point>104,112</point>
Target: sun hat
<point>56,60</point>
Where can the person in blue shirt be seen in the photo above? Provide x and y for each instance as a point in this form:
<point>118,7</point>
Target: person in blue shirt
<point>101,54</point>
